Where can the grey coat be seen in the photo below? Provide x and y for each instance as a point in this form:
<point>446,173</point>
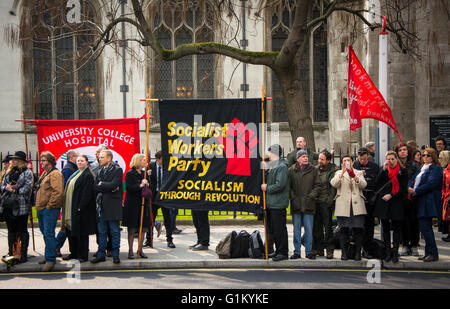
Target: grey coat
<point>109,184</point>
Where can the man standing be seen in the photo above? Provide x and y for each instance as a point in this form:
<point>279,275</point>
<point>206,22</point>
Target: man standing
<point>324,194</point>
<point>277,200</point>
<point>370,172</point>
<point>370,146</point>
<point>156,180</point>
<point>201,222</point>
<point>49,200</point>
<point>108,184</point>
<point>441,144</point>
<point>302,177</point>
<point>301,145</point>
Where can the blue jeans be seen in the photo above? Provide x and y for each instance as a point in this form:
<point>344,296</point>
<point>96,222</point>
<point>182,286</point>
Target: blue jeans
<point>426,227</point>
<point>114,227</point>
<point>60,239</point>
<point>307,221</point>
<point>47,224</point>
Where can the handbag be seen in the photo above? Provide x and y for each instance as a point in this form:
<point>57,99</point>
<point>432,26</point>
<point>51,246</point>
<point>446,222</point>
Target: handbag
<point>146,192</point>
<point>375,197</point>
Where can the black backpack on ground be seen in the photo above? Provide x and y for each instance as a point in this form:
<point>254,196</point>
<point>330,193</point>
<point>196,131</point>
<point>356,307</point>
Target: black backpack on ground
<point>256,246</point>
<point>377,249</point>
<point>240,244</point>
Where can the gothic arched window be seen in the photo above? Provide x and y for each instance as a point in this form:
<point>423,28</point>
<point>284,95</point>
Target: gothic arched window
<point>64,80</point>
<point>313,76</point>
<point>178,23</point>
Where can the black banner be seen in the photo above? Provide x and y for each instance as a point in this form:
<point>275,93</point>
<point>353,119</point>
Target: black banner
<point>211,156</point>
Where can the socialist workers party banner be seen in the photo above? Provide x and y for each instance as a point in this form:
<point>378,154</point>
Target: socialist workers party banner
<point>365,101</point>
<point>121,136</point>
<point>211,154</point>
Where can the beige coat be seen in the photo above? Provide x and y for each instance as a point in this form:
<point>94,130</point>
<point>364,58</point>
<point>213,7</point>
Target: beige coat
<point>349,191</point>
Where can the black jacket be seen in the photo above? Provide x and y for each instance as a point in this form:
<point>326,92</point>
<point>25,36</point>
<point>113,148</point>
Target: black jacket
<point>84,220</point>
<point>394,208</point>
<point>371,171</point>
<point>133,201</point>
<point>110,185</point>
<point>153,181</point>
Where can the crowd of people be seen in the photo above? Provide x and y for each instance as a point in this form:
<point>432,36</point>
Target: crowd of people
<point>89,199</point>
<point>405,194</point>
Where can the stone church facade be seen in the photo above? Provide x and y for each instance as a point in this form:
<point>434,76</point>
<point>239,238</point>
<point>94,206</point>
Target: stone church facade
<point>42,80</point>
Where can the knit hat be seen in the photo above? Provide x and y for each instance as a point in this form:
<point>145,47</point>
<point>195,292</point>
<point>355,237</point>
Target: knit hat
<point>301,153</point>
<point>276,149</point>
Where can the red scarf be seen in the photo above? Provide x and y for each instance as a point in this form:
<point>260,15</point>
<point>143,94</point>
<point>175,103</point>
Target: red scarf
<point>393,172</point>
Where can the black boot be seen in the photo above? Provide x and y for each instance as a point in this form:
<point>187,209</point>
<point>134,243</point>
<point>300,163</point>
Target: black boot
<point>358,236</point>
<point>24,238</point>
<point>344,242</point>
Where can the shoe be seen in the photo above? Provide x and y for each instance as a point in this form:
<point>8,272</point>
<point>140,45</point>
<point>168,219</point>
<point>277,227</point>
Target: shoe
<point>171,245</point>
<point>194,245</point>
<point>446,239</point>
<point>200,247</point>
<point>142,255</point>
<point>431,258</point>
<point>130,256</point>
<point>405,251</point>
<point>414,251</point>
<point>82,260</point>
<point>147,243</point>
<point>158,229</point>
<point>116,260</point>
<point>421,258</point>
<point>176,231</point>
<point>330,254</point>
<point>109,253</point>
<point>271,255</point>
<point>280,257</point>
<point>366,255</point>
<point>295,256</point>
<point>68,257</point>
<point>98,260</point>
<point>387,258</point>
<point>42,262</point>
<point>311,256</point>
<point>48,266</point>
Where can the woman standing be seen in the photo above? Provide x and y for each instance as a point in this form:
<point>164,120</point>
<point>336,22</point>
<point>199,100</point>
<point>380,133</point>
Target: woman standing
<point>444,158</point>
<point>79,210</point>
<point>391,186</point>
<point>135,182</point>
<point>16,189</point>
<point>426,188</point>
<point>350,207</point>
<point>417,158</point>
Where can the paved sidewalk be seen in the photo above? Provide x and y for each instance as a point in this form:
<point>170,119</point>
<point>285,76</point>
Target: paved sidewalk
<point>162,257</point>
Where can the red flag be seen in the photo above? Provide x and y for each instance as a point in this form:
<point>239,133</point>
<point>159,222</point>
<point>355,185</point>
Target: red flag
<point>120,135</point>
<point>365,100</point>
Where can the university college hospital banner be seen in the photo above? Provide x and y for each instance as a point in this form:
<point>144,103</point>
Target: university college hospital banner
<point>211,157</point>
<point>121,136</point>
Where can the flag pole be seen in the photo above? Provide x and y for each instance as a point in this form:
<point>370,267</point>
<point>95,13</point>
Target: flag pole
<point>264,173</point>
<point>26,151</point>
<point>383,86</point>
<point>147,133</point>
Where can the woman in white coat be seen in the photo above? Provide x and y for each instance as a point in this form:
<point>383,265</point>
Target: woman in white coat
<point>350,206</point>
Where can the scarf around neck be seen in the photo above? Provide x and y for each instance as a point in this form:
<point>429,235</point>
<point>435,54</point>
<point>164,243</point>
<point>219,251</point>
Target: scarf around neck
<point>392,173</point>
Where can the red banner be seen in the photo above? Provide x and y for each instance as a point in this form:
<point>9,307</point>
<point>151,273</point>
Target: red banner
<point>121,136</point>
<point>365,100</point>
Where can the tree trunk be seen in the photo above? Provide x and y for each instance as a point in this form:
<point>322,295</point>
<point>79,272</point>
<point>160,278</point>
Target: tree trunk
<point>299,116</point>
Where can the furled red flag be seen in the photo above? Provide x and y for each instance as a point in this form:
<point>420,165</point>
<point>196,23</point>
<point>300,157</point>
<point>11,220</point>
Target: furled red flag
<point>365,100</point>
